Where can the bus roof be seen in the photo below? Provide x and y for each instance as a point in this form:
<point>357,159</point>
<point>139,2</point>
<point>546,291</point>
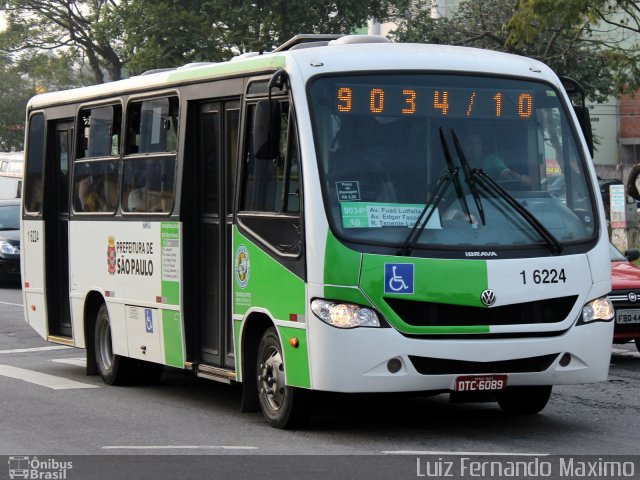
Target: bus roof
<point>347,54</point>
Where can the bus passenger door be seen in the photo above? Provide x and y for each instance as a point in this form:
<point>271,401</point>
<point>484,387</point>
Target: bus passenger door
<point>56,213</point>
<point>218,125</point>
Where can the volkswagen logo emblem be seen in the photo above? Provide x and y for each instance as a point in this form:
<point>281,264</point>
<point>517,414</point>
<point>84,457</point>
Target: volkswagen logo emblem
<point>632,297</point>
<point>488,297</point>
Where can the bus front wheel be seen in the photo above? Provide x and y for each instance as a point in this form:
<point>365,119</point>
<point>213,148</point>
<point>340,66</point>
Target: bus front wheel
<point>114,369</point>
<point>524,400</point>
<point>282,406</point>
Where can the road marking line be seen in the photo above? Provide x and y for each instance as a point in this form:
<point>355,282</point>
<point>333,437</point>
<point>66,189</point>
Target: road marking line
<point>43,379</point>
<point>79,362</point>
<point>35,349</point>
<point>177,447</point>
<point>12,304</point>
<point>481,454</point>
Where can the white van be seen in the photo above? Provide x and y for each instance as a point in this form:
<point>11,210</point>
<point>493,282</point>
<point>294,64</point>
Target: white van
<point>11,165</point>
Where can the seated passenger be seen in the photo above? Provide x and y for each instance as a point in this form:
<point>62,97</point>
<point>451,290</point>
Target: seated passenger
<point>148,198</point>
<point>491,163</point>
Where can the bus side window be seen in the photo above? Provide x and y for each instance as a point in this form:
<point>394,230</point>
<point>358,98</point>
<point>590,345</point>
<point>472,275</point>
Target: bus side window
<point>265,180</point>
<point>148,183</point>
<point>95,170</point>
<point>35,165</point>
<point>273,186</point>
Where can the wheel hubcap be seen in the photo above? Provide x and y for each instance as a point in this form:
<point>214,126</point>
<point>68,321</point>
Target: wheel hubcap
<point>271,379</point>
<point>104,344</point>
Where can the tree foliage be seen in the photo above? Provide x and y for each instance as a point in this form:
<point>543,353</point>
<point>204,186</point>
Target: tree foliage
<point>40,25</point>
<point>551,34</point>
<point>22,78</point>
<point>609,27</point>
<point>120,37</point>
<point>57,44</point>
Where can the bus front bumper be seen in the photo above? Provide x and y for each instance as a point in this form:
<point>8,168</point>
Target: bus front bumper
<point>358,360</point>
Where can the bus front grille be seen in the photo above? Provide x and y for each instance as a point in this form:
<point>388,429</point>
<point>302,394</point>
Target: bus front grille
<point>441,366</point>
<point>429,314</point>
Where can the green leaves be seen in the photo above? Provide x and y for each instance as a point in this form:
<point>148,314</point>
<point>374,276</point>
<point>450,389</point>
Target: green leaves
<point>589,40</point>
<point>57,44</point>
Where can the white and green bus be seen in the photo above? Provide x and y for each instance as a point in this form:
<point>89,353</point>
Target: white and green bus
<point>342,214</point>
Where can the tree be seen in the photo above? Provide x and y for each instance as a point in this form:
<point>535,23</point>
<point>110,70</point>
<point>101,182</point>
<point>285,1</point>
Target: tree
<point>496,25</point>
<point>609,27</point>
<point>24,78</point>
<point>58,44</point>
<point>245,25</point>
<point>34,25</point>
<point>117,37</point>
<point>13,100</point>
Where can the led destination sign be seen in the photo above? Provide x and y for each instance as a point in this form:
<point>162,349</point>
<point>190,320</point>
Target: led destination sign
<point>428,101</point>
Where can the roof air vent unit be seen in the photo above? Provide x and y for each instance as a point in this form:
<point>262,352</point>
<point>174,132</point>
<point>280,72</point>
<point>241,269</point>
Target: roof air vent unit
<point>306,38</point>
<point>195,64</point>
<point>352,39</point>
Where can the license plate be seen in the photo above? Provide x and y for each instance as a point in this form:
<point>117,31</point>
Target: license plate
<point>627,316</point>
<point>480,383</point>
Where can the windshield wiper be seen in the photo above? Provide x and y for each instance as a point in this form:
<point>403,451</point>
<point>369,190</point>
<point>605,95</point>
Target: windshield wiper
<point>491,185</point>
<point>469,176</point>
<point>458,186</point>
<point>449,175</point>
<point>443,182</point>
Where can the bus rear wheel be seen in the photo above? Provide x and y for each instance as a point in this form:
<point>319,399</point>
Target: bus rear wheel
<point>114,369</point>
<point>524,400</point>
<point>282,406</point>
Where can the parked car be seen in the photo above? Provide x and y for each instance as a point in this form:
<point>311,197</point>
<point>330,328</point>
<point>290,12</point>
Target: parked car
<point>625,296</point>
<point>10,240</point>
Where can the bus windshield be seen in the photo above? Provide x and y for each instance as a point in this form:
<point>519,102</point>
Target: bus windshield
<point>383,140</point>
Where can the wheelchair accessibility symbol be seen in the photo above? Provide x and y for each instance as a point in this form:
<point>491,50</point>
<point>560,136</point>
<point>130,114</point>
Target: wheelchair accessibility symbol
<point>398,278</point>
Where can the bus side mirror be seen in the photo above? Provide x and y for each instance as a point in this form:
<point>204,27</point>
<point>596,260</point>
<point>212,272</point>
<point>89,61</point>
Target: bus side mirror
<point>266,129</point>
<point>633,182</point>
<point>632,254</point>
<point>582,113</point>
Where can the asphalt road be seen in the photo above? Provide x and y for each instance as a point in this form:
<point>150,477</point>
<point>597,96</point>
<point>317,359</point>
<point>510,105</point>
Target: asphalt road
<point>183,415</point>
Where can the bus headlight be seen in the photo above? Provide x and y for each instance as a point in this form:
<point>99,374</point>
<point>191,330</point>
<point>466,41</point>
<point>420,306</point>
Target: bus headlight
<point>598,309</point>
<point>8,249</point>
<point>344,315</point>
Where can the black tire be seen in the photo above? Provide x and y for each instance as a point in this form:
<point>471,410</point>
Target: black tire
<point>114,369</point>
<point>282,406</point>
<point>524,400</point>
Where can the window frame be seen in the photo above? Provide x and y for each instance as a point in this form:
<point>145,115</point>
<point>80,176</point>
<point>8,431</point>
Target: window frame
<point>29,161</point>
<point>98,159</point>
<point>127,156</point>
<point>245,217</point>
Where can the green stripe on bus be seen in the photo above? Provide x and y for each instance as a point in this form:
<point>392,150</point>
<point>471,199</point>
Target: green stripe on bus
<point>237,331</point>
<point>341,264</point>
<point>266,62</point>
<point>453,282</point>
<point>443,330</point>
<point>346,294</point>
<point>172,335</point>
<point>296,359</point>
<point>261,281</point>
